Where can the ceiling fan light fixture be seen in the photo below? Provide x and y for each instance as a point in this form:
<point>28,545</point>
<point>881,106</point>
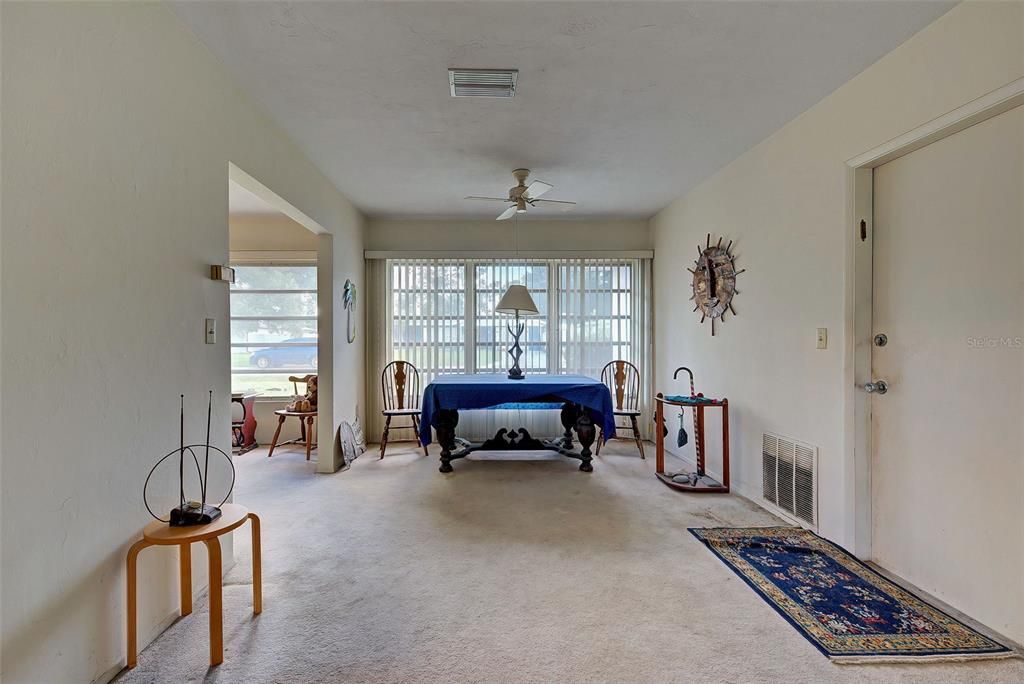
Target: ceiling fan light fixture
<point>521,197</point>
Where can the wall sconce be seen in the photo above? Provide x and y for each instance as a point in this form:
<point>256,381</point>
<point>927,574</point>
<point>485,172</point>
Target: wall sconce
<point>223,273</point>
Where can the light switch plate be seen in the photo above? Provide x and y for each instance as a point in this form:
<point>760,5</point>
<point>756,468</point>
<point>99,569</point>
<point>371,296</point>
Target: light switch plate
<point>211,331</point>
<point>822,338</point>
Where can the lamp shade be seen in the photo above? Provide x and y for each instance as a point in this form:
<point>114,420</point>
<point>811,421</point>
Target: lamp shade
<point>517,299</point>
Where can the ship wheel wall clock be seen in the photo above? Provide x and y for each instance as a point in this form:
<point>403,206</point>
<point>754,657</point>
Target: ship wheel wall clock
<point>714,281</point>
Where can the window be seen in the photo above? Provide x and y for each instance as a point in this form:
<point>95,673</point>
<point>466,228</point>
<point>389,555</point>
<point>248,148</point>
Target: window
<point>273,327</point>
<point>595,315</point>
<point>428,315</point>
<point>439,315</point>
<point>492,338</point>
<point>587,315</point>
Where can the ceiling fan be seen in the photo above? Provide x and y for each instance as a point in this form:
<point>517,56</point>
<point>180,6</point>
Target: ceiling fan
<point>523,195</point>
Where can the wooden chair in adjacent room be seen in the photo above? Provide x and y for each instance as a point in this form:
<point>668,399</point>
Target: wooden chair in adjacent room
<point>400,383</point>
<point>623,381</point>
<point>307,419</point>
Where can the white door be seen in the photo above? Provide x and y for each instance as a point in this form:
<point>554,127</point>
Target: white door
<point>947,469</point>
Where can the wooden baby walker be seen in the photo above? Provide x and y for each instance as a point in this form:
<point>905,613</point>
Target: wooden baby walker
<point>698,480</point>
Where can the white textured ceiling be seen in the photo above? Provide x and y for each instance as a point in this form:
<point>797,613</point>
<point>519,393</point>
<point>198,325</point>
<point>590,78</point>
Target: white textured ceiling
<point>623,106</point>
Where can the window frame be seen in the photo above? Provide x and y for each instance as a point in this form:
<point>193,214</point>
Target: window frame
<point>232,345</point>
<point>553,291</point>
<point>549,319</point>
<point>618,321</point>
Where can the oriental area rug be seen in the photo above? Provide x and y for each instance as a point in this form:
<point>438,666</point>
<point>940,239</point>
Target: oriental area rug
<point>850,612</point>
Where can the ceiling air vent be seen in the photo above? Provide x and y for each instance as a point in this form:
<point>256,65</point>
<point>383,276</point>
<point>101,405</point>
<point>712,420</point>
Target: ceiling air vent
<point>483,82</point>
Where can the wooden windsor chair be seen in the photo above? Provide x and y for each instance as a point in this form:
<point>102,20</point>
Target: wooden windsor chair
<point>623,381</point>
<point>400,385</point>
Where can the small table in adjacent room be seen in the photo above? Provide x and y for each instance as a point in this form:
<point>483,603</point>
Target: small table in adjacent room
<point>243,431</point>
<point>584,403</point>
<point>161,534</point>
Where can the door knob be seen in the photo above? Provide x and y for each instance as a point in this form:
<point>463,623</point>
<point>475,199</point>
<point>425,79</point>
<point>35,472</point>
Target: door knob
<point>876,387</point>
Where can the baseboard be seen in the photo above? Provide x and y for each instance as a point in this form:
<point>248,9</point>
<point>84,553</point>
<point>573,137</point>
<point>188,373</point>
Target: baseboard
<point>154,633</point>
<point>943,606</point>
<point>713,473</point>
<point>741,490</point>
<point>110,674</point>
<point>160,628</point>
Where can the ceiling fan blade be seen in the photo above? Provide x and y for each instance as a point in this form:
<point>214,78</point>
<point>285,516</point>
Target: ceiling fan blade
<point>507,214</point>
<point>556,204</point>
<point>488,199</point>
<point>537,188</point>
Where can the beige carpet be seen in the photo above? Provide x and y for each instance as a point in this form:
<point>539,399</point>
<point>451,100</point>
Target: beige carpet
<point>502,572</point>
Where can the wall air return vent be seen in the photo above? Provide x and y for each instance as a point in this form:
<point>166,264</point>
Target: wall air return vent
<point>790,477</point>
<point>483,82</point>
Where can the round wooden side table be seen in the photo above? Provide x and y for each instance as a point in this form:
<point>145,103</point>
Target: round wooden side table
<point>161,534</point>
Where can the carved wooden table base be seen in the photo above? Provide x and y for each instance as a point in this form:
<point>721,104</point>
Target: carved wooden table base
<point>574,418</point>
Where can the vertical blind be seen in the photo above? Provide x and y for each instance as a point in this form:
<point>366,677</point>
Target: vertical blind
<point>439,315</point>
<point>596,312</point>
<point>491,330</point>
<point>427,311</point>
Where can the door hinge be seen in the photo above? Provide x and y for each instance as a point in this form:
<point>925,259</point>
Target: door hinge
<point>863,230</point>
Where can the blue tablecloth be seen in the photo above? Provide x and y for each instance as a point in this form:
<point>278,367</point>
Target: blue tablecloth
<point>490,391</point>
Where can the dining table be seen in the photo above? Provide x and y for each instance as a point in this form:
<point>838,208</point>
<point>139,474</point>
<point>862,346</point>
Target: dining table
<point>584,403</point>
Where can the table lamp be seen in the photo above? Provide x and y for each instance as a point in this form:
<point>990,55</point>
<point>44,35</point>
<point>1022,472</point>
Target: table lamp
<point>516,300</point>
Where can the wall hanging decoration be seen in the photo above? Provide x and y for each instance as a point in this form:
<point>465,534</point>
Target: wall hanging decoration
<point>189,511</point>
<point>714,281</point>
<point>349,301</point>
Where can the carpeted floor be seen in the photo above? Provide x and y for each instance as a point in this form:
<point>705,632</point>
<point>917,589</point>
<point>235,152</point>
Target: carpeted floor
<point>504,571</point>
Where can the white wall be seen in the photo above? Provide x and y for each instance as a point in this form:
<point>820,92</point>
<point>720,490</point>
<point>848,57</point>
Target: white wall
<point>269,232</point>
<point>786,204</point>
<point>487,234</point>
<point>119,127</point>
